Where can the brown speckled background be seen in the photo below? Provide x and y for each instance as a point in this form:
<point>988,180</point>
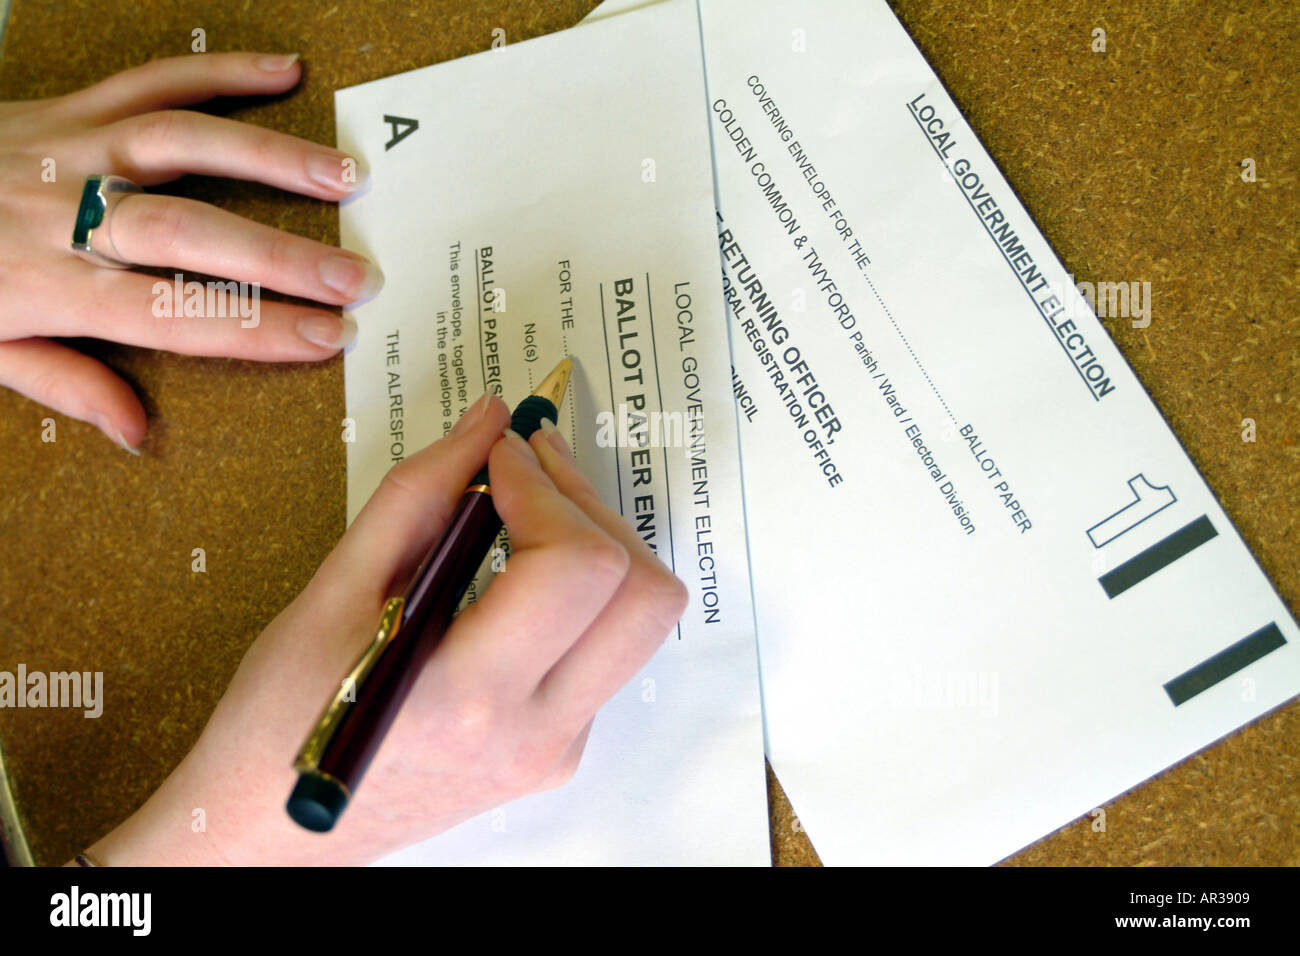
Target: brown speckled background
<point>1128,160</point>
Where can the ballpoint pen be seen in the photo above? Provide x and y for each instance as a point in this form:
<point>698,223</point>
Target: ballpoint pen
<point>350,729</point>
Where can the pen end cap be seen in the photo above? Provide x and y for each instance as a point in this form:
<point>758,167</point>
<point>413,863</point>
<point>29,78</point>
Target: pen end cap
<point>316,803</point>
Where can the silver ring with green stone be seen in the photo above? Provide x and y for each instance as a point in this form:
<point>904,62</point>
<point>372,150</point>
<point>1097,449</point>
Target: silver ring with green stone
<point>92,237</point>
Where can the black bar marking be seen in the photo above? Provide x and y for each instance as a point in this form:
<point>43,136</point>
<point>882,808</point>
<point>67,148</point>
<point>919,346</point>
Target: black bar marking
<point>1160,555</point>
<point>1224,664</point>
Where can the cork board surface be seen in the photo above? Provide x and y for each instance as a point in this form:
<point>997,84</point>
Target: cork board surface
<point>1129,160</point>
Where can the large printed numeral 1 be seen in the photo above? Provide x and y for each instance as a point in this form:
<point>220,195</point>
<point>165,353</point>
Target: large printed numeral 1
<point>1148,499</point>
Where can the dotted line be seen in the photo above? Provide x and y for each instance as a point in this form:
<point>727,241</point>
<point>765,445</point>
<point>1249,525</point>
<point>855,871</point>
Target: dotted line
<point>890,316</point>
<point>573,411</point>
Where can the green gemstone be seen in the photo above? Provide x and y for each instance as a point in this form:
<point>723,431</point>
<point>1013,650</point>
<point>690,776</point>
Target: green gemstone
<point>91,213</point>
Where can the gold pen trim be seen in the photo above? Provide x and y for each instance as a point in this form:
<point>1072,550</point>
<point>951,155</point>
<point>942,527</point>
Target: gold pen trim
<point>318,772</point>
<point>553,386</point>
<point>309,757</point>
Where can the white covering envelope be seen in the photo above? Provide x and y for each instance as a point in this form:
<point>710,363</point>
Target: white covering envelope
<point>992,592</point>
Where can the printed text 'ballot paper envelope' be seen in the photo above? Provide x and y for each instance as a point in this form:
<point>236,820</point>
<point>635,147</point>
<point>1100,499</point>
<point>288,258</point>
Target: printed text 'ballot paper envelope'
<point>555,198</point>
<point>992,592</point>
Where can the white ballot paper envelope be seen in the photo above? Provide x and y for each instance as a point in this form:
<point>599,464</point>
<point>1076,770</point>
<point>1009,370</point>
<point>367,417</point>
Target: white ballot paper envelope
<point>991,590</point>
<point>555,198</point>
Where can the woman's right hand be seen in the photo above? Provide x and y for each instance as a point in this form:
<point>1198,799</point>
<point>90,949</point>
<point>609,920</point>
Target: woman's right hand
<point>502,708</point>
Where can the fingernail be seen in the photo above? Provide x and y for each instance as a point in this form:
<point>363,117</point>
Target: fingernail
<point>473,415</point>
<point>121,440</point>
<point>277,63</point>
<point>336,171</point>
<point>356,176</point>
<point>328,331</point>
<point>114,434</point>
<point>354,277</point>
<point>552,435</point>
<point>516,442</point>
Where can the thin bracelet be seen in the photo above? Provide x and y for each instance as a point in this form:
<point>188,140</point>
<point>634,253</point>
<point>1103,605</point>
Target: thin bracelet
<point>84,859</point>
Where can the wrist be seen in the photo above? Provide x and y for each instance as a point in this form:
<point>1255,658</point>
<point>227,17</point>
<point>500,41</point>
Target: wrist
<point>163,832</point>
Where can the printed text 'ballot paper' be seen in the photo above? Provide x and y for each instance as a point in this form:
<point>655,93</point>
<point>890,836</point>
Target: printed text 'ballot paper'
<point>555,198</point>
<point>992,592</point>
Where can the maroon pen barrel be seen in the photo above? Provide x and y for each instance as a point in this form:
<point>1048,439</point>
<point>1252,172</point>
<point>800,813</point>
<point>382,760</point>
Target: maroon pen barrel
<point>431,601</point>
<point>349,732</point>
